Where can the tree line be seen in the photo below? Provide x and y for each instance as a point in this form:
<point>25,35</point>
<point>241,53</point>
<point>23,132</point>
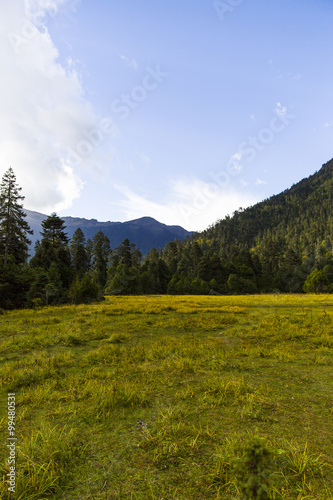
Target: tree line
<point>62,270</point>
<point>239,255</point>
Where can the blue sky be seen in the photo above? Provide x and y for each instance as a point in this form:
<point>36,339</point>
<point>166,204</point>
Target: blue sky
<point>183,112</point>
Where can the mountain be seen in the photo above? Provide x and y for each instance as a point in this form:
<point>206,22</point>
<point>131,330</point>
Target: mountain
<point>301,216</point>
<point>145,232</point>
<point>283,244</point>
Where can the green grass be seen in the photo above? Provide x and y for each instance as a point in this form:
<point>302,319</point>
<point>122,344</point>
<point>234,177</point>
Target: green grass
<point>168,397</point>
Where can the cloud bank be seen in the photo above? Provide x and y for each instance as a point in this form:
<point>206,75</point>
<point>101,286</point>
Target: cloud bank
<point>44,113</point>
<point>191,202</point>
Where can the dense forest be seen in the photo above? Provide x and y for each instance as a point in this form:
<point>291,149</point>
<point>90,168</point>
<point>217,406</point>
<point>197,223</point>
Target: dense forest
<point>283,244</point>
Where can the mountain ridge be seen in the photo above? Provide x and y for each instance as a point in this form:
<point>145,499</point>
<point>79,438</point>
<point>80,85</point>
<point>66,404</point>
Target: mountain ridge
<point>145,232</point>
<point>281,244</point>
<point>306,202</point>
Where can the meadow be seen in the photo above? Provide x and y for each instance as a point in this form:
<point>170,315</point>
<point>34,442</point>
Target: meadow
<point>171,397</point>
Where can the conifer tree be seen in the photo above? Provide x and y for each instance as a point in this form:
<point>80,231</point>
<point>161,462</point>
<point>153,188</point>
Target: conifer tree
<point>14,242</point>
<point>79,253</point>
<point>54,230</point>
<point>100,256</point>
<point>53,249</point>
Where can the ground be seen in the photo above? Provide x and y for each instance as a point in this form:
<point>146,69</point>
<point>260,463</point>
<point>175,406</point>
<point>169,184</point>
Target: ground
<point>166,397</point>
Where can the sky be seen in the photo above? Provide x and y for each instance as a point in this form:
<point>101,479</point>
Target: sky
<point>178,110</point>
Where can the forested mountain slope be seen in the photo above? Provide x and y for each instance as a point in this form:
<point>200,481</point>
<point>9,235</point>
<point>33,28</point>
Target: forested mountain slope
<point>282,244</point>
<point>300,216</point>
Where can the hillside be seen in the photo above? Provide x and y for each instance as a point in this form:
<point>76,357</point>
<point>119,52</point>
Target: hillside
<point>301,215</point>
<point>145,232</point>
<point>282,244</point>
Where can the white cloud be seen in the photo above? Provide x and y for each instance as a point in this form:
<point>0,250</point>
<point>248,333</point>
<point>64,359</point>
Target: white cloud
<point>131,63</point>
<point>190,203</point>
<point>38,10</point>
<point>259,182</point>
<point>44,114</point>
<point>327,124</point>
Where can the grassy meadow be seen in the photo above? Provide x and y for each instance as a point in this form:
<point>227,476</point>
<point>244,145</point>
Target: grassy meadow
<point>171,397</point>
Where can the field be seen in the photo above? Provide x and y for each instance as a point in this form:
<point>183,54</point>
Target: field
<point>171,398</point>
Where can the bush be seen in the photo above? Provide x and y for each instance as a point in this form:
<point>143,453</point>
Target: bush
<point>316,282</point>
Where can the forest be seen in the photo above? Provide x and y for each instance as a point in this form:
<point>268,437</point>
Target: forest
<point>281,245</point>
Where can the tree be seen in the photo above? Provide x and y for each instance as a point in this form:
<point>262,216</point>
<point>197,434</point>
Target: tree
<point>328,272</point>
<point>53,252</point>
<point>54,230</point>
<point>199,287</point>
<point>37,290</point>
<point>14,242</point>
<point>195,253</point>
<point>124,271</point>
<point>124,282</point>
<point>100,256</point>
<point>83,291</point>
<point>239,285</point>
<point>15,283</point>
<point>155,273</point>
<point>53,289</point>
<point>79,253</point>
<point>127,254</point>
<point>316,282</point>
<point>89,252</point>
<point>171,256</point>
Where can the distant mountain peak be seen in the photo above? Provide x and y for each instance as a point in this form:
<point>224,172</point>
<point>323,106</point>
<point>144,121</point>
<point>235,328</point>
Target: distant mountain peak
<point>145,232</point>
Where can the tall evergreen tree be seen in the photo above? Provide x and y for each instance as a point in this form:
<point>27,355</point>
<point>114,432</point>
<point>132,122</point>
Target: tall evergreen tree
<point>89,252</point>
<point>54,230</point>
<point>124,271</point>
<point>79,253</point>
<point>53,252</point>
<point>124,253</point>
<point>100,257</point>
<point>14,242</point>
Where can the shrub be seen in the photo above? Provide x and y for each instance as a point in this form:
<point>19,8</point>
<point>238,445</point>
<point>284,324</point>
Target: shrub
<point>316,282</point>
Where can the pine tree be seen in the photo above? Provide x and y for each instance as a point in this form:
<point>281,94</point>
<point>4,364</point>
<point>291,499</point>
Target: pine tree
<point>14,242</point>
<point>53,250</point>
<point>100,257</point>
<point>54,230</point>
<point>124,253</point>
<point>89,252</point>
<point>79,253</point>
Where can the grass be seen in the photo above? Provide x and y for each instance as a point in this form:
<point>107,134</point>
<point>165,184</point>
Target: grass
<point>171,397</point>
